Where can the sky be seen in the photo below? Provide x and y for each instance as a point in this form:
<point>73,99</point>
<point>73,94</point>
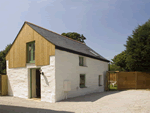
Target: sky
<point>106,24</point>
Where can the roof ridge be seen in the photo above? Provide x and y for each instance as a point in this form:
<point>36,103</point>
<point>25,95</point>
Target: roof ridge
<point>54,32</point>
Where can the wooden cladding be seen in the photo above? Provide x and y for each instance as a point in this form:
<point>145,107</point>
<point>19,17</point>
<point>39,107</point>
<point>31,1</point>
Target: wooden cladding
<point>3,85</point>
<point>17,56</point>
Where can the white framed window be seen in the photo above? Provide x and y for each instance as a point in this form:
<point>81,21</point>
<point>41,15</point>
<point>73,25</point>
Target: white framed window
<point>99,80</point>
<point>82,61</point>
<point>82,81</point>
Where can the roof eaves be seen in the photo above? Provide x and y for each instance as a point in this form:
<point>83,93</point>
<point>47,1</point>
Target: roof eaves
<point>76,52</point>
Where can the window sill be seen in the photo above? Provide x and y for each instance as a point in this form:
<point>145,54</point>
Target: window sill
<point>31,63</point>
<point>83,87</point>
<point>100,85</point>
<point>82,66</point>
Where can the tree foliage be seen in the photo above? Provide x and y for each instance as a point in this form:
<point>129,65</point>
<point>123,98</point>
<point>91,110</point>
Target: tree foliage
<point>2,59</point>
<point>136,57</point>
<point>114,67</point>
<point>138,48</point>
<point>75,36</point>
<point>120,60</point>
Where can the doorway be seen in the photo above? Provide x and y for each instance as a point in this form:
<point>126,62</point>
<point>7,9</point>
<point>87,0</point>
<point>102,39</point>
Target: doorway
<point>38,84</point>
<point>35,83</point>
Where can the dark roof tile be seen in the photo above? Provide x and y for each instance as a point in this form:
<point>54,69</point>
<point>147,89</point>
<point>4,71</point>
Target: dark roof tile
<point>65,42</point>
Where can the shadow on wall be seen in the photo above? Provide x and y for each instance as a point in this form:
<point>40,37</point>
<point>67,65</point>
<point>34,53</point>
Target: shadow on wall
<point>90,97</point>
<point>10,91</point>
<point>104,78</point>
<point>17,109</point>
<point>46,80</point>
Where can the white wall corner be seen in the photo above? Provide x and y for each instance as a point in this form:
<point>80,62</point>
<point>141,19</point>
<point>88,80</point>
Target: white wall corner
<point>52,60</point>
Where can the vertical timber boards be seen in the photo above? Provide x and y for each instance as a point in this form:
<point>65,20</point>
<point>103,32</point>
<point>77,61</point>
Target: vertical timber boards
<point>4,86</point>
<point>17,53</point>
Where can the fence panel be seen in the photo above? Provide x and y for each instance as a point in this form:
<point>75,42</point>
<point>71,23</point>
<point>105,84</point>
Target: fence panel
<point>126,80</point>
<point>3,85</point>
<point>0,86</point>
<point>143,80</point>
<point>113,77</point>
<point>106,81</point>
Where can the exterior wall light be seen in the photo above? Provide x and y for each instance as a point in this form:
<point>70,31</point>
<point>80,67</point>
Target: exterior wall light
<point>41,71</point>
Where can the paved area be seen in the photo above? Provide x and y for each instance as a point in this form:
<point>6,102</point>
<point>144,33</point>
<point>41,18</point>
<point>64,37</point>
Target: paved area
<point>129,101</point>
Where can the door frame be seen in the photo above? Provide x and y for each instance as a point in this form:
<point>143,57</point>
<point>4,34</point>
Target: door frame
<point>30,75</point>
<point>31,83</point>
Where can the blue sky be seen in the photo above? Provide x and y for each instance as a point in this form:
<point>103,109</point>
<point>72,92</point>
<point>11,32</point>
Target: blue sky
<point>105,23</point>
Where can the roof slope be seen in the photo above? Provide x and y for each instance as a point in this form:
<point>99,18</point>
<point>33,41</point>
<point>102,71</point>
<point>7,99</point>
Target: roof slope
<point>66,43</point>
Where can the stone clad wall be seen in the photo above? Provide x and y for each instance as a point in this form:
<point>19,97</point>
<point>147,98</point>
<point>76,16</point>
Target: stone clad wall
<point>19,81</point>
<point>48,82</point>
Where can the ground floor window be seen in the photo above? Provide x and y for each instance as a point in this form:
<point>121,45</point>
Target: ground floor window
<point>82,80</point>
<point>99,80</point>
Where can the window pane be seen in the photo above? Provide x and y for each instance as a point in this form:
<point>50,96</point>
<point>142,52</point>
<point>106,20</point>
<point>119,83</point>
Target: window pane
<point>99,80</point>
<point>82,80</point>
<point>33,51</point>
<point>30,48</point>
<point>81,61</point>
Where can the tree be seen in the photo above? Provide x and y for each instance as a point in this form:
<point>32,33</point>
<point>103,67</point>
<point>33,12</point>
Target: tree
<point>2,59</point>
<point>114,67</point>
<point>120,60</point>
<point>138,49</point>
<point>75,36</point>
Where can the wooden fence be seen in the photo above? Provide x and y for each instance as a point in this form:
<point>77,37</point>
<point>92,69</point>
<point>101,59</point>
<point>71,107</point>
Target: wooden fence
<point>130,80</point>
<point>133,80</point>
<point>113,77</point>
<point>3,85</point>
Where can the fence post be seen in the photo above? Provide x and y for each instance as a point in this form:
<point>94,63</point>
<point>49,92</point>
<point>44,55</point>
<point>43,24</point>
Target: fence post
<point>117,80</point>
<point>135,79</point>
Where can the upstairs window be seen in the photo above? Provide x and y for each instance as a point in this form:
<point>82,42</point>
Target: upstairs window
<point>31,52</point>
<point>81,61</point>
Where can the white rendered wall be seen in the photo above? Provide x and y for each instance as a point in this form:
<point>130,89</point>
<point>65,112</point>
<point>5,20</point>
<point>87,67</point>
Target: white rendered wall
<point>19,81</point>
<point>67,68</point>
<point>48,82</point>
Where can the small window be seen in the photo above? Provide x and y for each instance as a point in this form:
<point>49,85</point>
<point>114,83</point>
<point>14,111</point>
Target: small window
<point>31,52</point>
<point>99,80</point>
<point>81,61</point>
<point>82,80</point>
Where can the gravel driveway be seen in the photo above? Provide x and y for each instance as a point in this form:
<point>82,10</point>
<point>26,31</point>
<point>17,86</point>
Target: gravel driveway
<point>129,101</point>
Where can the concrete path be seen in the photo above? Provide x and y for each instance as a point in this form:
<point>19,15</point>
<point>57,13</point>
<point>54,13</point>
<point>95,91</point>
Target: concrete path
<point>130,101</point>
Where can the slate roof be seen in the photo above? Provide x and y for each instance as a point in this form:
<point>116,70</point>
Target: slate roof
<point>64,42</point>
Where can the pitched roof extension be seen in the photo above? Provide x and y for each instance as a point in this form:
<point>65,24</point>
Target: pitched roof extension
<point>65,43</point>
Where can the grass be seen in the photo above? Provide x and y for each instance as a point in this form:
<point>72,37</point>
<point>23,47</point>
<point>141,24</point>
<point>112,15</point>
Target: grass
<point>113,88</point>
